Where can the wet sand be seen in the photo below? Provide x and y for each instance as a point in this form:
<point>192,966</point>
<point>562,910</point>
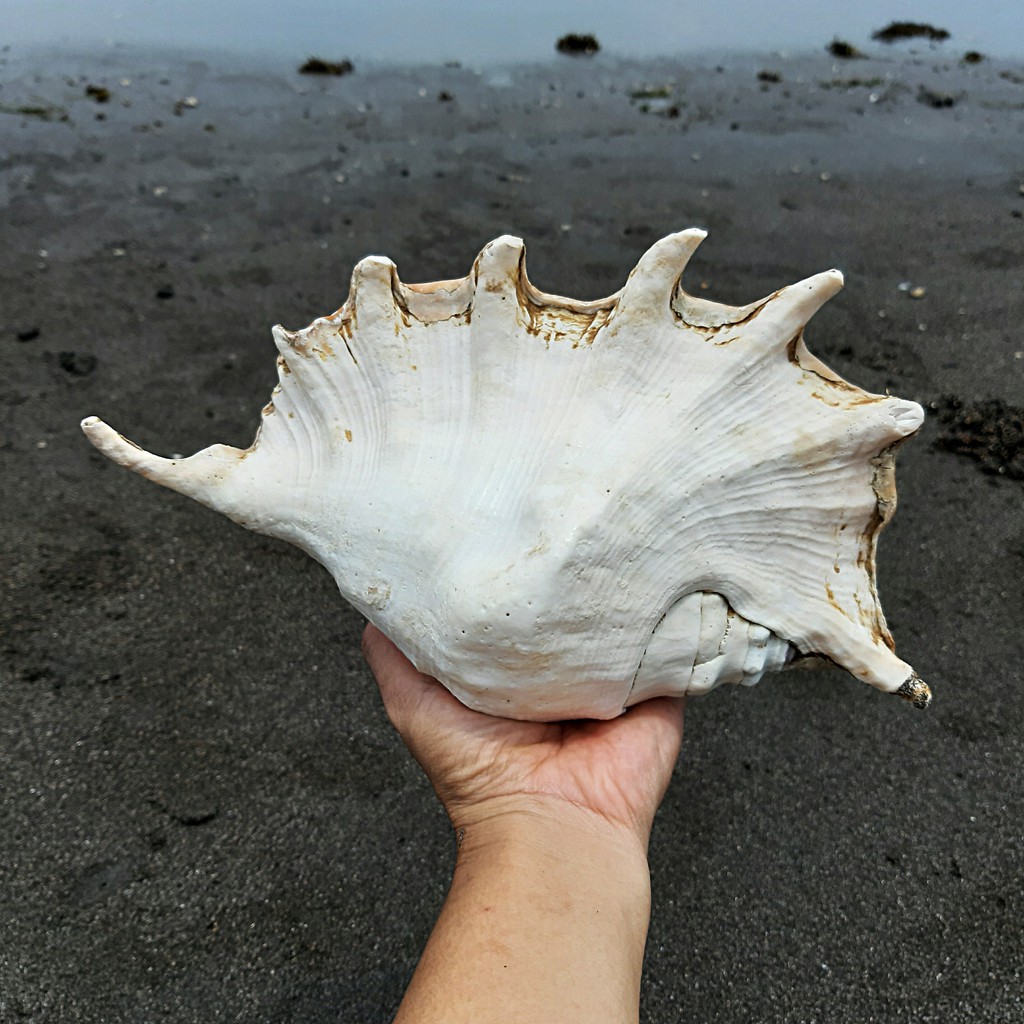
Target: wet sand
<point>204,813</point>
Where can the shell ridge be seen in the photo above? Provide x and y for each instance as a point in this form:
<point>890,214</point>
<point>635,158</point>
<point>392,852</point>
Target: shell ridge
<point>825,628</point>
<point>285,425</point>
<point>372,414</point>
<point>644,516</point>
<point>341,407</point>
<point>704,529</point>
<point>672,461</point>
<point>458,429</point>
<point>812,566</point>
<point>310,387</point>
<point>541,385</point>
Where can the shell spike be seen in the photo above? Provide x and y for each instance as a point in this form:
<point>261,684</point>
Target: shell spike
<point>500,264</point>
<point>199,476</point>
<point>499,272</point>
<point>500,259</point>
<point>906,416</point>
<point>371,296</point>
<point>783,315</point>
<point>653,282</point>
<point>915,691</point>
<point>287,341</point>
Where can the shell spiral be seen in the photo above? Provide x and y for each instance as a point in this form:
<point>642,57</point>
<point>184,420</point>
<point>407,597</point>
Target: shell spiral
<point>560,508</point>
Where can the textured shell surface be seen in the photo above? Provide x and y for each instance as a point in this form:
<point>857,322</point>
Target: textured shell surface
<point>561,508</point>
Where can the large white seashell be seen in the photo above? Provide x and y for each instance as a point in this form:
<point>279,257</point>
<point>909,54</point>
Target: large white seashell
<point>561,508</point>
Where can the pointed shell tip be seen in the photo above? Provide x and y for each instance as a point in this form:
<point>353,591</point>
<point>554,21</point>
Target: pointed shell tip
<point>512,241</point>
<point>916,691</point>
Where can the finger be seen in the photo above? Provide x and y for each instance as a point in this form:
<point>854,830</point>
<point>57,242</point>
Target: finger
<point>415,701</point>
<point>401,685</point>
<point>662,720</point>
<point>668,711</point>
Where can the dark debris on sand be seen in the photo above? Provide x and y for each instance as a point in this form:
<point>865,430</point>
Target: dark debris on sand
<point>316,66</point>
<point>897,30</point>
<point>990,432</point>
<point>78,364</point>
<point>843,49</point>
<point>44,112</point>
<point>576,45</point>
<point>931,98</point>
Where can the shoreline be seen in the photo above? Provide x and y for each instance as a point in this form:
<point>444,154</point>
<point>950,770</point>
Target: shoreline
<point>462,30</point>
<point>945,56</point>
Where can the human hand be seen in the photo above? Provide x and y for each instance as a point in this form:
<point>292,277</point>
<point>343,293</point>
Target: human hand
<point>616,771</point>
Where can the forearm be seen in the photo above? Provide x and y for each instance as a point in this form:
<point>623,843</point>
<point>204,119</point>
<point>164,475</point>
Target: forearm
<point>545,921</point>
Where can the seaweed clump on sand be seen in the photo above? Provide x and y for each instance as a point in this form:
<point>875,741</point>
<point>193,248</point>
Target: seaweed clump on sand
<point>43,111</point>
<point>841,48</point>
<point>931,98</point>
<point>316,66</point>
<point>897,30</point>
<point>990,432</point>
<point>576,45</point>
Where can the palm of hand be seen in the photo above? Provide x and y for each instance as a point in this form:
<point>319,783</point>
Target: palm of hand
<point>617,769</point>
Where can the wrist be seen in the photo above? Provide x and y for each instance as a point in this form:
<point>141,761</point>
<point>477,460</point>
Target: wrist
<point>549,827</point>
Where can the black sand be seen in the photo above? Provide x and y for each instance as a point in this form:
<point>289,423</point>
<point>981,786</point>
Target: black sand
<point>204,814</point>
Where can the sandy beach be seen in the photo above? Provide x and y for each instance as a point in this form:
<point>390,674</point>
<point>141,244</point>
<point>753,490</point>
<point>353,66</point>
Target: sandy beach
<point>204,814</point>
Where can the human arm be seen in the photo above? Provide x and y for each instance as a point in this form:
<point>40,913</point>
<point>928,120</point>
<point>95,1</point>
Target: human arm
<point>547,914</point>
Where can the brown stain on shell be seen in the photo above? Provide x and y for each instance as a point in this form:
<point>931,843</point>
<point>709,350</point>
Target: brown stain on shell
<point>828,386</point>
<point>835,604</point>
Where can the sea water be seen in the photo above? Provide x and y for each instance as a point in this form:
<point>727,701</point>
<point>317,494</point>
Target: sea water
<point>477,31</point>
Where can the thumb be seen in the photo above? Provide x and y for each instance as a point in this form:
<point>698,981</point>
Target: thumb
<point>402,687</point>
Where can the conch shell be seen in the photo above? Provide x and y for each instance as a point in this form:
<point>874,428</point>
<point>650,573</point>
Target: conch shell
<point>561,508</point>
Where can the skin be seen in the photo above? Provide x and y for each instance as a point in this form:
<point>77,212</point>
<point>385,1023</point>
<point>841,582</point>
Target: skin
<point>547,914</point>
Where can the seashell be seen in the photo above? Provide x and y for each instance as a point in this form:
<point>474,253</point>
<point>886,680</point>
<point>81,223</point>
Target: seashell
<point>561,508</point>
